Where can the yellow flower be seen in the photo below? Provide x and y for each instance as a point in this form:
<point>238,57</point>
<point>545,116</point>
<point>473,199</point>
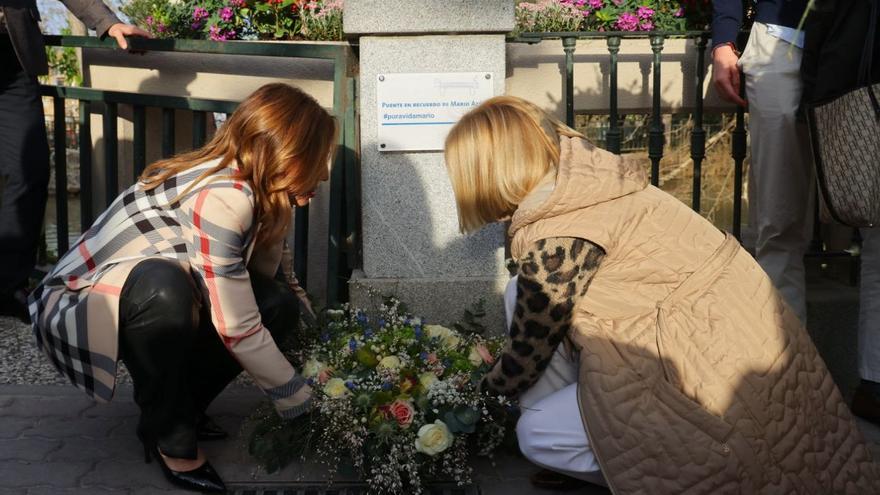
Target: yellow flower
<point>335,387</point>
<point>426,379</point>
<point>446,336</point>
<point>474,357</point>
<point>433,438</point>
<point>390,363</point>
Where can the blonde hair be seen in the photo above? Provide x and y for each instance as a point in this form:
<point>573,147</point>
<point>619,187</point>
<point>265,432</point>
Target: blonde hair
<point>496,154</point>
<point>282,141</point>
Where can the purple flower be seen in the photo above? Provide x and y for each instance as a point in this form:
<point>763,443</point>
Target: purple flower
<point>237,3</point>
<point>200,13</point>
<point>627,22</point>
<point>597,4</point>
<point>679,12</point>
<point>226,14</point>
<point>646,26</point>
<point>645,12</point>
<point>149,20</point>
<point>580,3</point>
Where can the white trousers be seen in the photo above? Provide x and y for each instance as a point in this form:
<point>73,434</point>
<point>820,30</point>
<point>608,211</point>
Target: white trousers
<point>782,185</point>
<point>869,306</point>
<point>550,430</point>
<point>781,179</point>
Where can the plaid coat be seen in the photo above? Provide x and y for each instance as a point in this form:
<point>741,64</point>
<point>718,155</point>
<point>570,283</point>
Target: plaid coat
<point>210,231</point>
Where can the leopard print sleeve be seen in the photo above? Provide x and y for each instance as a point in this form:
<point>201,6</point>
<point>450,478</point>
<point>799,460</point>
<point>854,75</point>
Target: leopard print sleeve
<point>552,275</point>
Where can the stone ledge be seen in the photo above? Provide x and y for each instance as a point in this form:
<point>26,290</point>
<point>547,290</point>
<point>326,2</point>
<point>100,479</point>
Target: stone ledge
<point>427,16</point>
<point>438,300</point>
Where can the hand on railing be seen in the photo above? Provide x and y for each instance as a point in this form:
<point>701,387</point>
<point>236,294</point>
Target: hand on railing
<point>119,31</point>
<point>725,74</point>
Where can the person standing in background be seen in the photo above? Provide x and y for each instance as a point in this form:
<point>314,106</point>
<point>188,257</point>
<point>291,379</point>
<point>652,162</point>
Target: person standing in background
<point>836,38</point>
<point>24,150</point>
<point>781,178</point>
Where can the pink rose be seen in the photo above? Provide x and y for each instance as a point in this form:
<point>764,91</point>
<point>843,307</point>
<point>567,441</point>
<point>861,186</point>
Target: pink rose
<point>485,354</point>
<point>402,411</point>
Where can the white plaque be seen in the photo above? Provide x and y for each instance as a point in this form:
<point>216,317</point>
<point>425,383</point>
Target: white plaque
<point>416,111</point>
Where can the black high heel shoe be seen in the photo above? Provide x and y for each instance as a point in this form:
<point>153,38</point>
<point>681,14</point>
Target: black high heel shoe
<point>202,479</point>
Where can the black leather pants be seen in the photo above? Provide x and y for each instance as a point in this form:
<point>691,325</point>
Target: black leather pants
<point>177,361</point>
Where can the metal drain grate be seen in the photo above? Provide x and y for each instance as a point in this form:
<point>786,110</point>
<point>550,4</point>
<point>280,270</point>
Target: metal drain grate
<point>342,489</point>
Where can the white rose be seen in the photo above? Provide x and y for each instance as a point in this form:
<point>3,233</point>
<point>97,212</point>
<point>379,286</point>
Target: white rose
<point>446,336</point>
<point>335,387</point>
<point>433,438</point>
<point>390,363</point>
<point>474,357</point>
<point>427,379</point>
<point>313,368</point>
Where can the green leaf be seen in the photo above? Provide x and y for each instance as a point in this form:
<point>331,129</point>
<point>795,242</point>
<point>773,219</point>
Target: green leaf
<point>364,355</point>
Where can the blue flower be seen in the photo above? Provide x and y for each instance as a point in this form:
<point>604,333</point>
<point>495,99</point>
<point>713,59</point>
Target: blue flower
<point>352,344</point>
<point>368,334</point>
<point>381,323</point>
<point>350,385</point>
<point>423,356</point>
<point>418,330</point>
<point>386,386</point>
<point>325,337</point>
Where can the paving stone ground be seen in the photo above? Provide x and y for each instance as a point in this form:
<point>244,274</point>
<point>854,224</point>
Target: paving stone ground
<point>54,440</point>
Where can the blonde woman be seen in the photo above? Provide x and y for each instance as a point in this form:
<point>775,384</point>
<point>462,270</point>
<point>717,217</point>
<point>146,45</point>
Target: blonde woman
<point>662,356</point>
<point>176,278</point>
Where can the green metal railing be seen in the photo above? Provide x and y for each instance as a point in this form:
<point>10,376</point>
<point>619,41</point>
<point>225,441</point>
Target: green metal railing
<point>656,131</point>
<point>343,241</point>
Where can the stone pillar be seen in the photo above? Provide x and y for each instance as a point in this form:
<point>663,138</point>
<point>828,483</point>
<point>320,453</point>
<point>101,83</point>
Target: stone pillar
<point>411,244</point>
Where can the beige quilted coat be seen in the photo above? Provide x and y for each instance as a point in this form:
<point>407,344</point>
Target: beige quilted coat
<point>695,377</point>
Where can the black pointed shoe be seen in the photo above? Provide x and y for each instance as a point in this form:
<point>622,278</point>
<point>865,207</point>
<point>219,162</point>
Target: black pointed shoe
<point>208,430</point>
<point>202,479</point>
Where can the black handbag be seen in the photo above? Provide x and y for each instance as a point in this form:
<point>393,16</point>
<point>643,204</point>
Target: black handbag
<point>845,140</point>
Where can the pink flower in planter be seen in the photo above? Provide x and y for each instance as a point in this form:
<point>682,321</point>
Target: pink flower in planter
<point>237,3</point>
<point>645,12</point>
<point>679,12</point>
<point>646,26</point>
<point>200,13</point>
<point>226,14</point>
<point>627,22</point>
<point>597,4</point>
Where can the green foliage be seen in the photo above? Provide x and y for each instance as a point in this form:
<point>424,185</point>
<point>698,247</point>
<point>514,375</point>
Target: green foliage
<point>64,62</point>
<point>223,20</point>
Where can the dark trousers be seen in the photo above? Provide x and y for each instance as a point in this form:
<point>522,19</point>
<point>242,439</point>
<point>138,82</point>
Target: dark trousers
<point>177,361</point>
<point>24,170</point>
